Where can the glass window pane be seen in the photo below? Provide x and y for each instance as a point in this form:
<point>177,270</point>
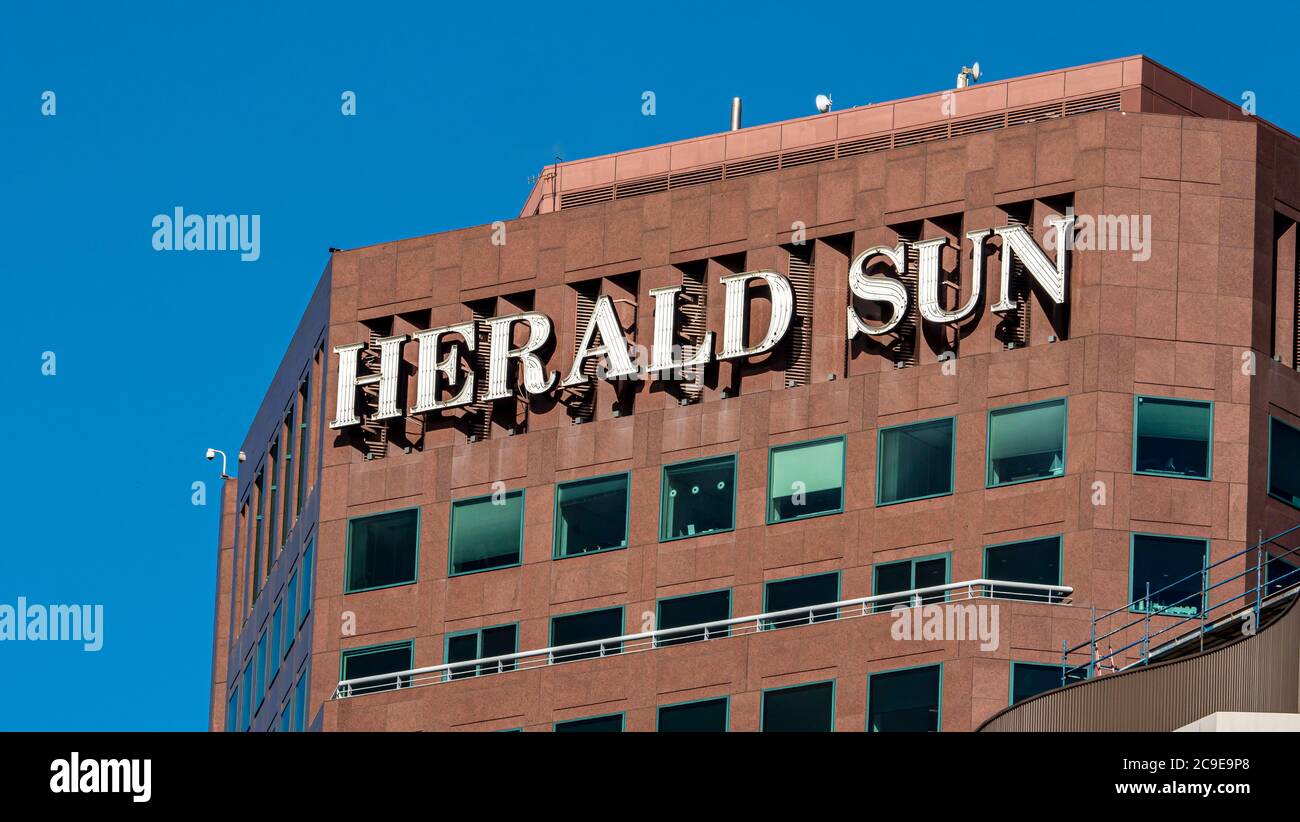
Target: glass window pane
<point>498,641</point>
<point>246,710</point>
<point>276,630</point>
<point>462,648</point>
<point>915,461</point>
<point>785,594</point>
<point>308,574</point>
<point>1035,560</point>
<point>587,627</point>
<point>300,702</point>
<point>382,550</point>
<point>384,659</point>
<point>1172,437</point>
<point>1173,567</point>
<point>596,724</point>
<point>907,575</point>
<point>1280,574</point>
<point>260,662</point>
<point>709,715</point>
<point>698,498</point>
<point>904,700</point>
<point>806,479</point>
<point>1030,679</point>
<point>591,515</point>
<point>232,710</point>
<point>291,613</point>
<point>487,532</point>
<point>1026,443</point>
<point>801,708</point>
<point>694,610</point>
<point>1284,462</point>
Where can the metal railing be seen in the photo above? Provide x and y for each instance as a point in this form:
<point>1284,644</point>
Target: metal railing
<point>1200,613</point>
<point>705,632</point>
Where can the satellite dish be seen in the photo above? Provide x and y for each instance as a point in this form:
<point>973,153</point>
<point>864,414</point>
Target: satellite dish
<point>823,103</point>
<point>975,71</point>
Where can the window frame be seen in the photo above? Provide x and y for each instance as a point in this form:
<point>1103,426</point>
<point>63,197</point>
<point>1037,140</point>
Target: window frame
<point>791,446</point>
<point>952,460</point>
<point>1011,679</point>
<point>731,602</point>
<point>1132,551</point>
<point>947,578</point>
<point>622,717</point>
<point>346,653</point>
<point>451,514</point>
<point>347,554</point>
<point>762,701</point>
<point>726,700</point>
<point>938,720</point>
<point>1269,476</point>
<point>1060,563</point>
<point>988,439</point>
<point>663,490</point>
<point>555,529</point>
<point>1209,446</point>
<point>450,635</point>
<point>769,625</point>
<point>622,611</point>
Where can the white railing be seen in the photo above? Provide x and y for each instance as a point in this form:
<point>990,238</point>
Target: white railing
<point>705,631</point>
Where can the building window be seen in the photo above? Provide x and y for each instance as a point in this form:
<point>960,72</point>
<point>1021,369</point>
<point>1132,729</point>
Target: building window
<point>260,662</point>
<point>693,609</point>
<point>805,480</point>
<point>1033,678</point>
<point>591,515</point>
<point>587,626</point>
<point>906,700</point>
<point>300,699</point>
<point>290,613</point>
<point>799,708</point>
<point>1172,438</point>
<point>1279,574</point>
<point>481,644</point>
<point>1026,443</point>
<point>1172,567</point>
<point>286,715</point>
<point>383,550</point>
<point>392,658</point>
<point>246,709</point>
<point>700,716</point>
<point>308,574</point>
<point>487,532</point>
<point>699,497</point>
<point>800,592</point>
<point>232,710</point>
<point>610,723</point>
<point>276,629</point>
<point>909,575</point>
<point>915,461</point>
<point>1036,561</point>
<point>1284,462</point>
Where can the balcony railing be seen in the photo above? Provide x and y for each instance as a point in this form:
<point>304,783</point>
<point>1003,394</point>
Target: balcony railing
<point>705,632</point>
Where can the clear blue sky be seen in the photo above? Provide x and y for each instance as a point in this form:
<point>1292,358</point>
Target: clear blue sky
<point>234,108</point>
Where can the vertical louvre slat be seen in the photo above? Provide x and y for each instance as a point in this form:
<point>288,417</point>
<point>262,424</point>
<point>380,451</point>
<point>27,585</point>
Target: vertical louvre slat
<point>695,312</point>
<point>801,272</point>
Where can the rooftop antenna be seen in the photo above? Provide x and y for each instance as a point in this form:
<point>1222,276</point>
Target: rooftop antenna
<point>968,75</point>
<point>823,103</point>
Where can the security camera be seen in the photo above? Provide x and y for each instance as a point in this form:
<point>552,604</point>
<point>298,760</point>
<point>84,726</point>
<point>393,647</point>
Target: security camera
<point>212,454</point>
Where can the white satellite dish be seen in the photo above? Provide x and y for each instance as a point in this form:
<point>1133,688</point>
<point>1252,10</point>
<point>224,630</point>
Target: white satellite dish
<point>975,71</point>
<point>823,103</point>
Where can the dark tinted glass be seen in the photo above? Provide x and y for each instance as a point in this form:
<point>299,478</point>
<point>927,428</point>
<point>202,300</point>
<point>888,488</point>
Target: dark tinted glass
<point>382,550</point>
